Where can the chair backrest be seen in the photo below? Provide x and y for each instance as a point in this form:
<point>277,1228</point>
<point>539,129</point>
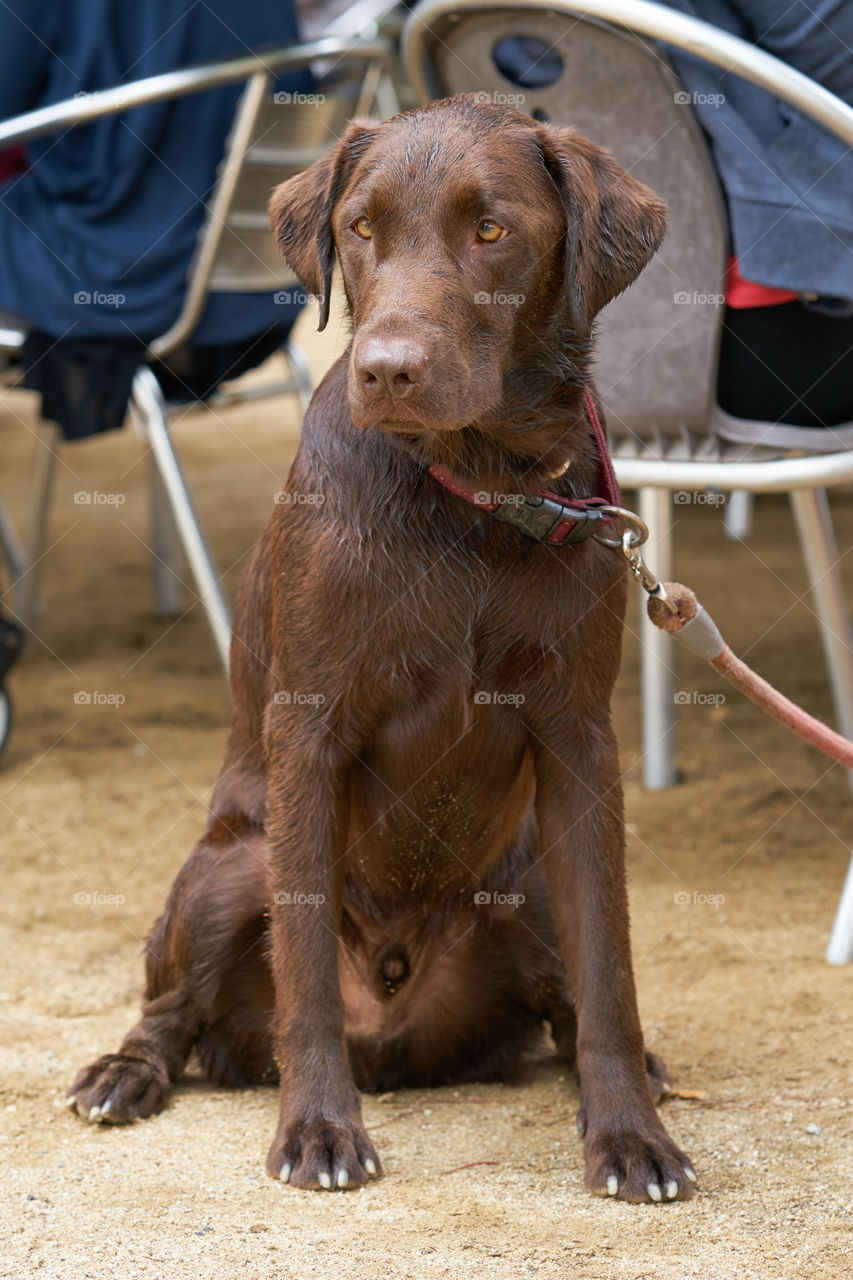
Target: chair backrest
<point>275,135</point>
<point>658,343</point>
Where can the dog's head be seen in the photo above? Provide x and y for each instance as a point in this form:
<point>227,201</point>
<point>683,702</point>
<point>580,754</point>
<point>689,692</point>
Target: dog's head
<point>473,242</point>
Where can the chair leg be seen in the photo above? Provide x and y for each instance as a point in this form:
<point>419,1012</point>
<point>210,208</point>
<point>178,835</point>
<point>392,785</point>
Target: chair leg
<point>301,373</point>
<point>151,411</point>
<point>168,590</point>
<point>28,589</point>
<point>840,946</point>
<point>387,99</point>
<point>658,651</point>
<point>817,541</point>
<point>11,547</point>
<point>738,521</point>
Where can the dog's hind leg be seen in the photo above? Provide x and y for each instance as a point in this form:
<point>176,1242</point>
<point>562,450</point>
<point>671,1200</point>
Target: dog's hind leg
<point>207,983</point>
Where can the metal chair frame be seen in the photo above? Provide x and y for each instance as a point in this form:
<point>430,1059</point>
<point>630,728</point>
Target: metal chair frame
<point>174,520</point>
<point>657,467</point>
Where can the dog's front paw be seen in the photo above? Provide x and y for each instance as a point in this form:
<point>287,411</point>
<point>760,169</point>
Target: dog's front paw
<point>638,1166</point>
<point>323,1154</point>
<point>119,1088</point>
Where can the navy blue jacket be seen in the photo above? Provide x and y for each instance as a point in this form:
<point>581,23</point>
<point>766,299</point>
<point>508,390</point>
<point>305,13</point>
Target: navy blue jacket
<point>788,181</point>
<point>111,210</point>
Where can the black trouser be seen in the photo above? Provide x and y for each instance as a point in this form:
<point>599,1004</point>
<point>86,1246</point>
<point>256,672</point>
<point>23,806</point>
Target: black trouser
<point>787,364</point>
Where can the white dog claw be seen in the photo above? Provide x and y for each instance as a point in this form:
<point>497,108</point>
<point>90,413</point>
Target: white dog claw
<point>691,1175</point>
<point>370,1166</point>
<point>93,1114</point>
<point>343,1177</point>
<point>671,1189</point>
<point>612,1185</point>
<point>654,1192</point>
<point>284,1175</point>
<point>325,1181</point>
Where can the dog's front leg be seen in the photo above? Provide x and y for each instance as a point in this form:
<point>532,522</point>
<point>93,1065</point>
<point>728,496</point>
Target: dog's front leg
<point>320,1140</point>
<point>579,810</point>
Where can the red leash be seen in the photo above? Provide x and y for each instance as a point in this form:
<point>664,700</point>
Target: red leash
<point>674,608</point>
<point>685,618</point>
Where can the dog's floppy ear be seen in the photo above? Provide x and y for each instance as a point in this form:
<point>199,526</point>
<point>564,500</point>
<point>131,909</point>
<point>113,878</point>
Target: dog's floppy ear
<point>614,223</point>
<point>301,212</point>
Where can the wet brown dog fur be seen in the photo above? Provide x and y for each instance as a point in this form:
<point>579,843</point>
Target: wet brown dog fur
<point>414,858</point>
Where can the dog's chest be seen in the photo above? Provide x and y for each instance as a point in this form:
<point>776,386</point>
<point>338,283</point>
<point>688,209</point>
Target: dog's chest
<point>440,793</point>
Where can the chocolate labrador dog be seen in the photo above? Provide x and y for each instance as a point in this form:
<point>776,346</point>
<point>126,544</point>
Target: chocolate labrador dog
<point>414,858</point>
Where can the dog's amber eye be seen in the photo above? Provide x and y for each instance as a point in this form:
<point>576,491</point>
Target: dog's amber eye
<point>362,228</point>
<point>490,231</point>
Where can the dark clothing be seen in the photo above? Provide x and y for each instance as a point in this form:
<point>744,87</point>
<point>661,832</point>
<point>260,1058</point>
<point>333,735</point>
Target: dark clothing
<point>786,364</point>
<point>788,181</point>
<point>97,236</point>
<point>85,384</point>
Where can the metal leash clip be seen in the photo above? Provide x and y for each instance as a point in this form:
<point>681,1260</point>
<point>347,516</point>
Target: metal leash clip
<point>629,544</point>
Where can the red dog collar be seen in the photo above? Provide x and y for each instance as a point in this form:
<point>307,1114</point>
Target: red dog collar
<point>546,517</point>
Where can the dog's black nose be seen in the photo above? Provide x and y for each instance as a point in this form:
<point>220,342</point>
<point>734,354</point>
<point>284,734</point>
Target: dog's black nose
<point>390,368</point>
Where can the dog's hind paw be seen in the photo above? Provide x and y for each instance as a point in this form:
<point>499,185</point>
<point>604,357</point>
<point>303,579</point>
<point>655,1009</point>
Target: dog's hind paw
<point>657,1076</point>
<point>119,1088</point>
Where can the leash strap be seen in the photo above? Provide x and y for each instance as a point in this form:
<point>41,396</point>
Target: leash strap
<point>546,517</point>
<point>674,608</point>
<point>687,620</point>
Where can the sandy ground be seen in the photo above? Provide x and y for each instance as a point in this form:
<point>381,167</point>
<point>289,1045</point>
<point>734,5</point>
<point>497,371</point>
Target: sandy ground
<point>101,801</point>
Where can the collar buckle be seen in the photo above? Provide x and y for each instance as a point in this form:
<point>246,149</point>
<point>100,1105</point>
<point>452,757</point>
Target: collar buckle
<point>539,517</point>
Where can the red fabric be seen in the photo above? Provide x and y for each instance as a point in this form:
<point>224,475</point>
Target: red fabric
<point>744,294</point>
<point>11,162</point>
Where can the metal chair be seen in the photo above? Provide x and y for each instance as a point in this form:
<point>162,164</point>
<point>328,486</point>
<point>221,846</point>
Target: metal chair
<point>657,360</point>
<point>272,138</point>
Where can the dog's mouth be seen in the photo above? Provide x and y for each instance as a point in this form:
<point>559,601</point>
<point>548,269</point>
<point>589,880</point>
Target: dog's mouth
<point>401,418</point>
<point>394,413</point>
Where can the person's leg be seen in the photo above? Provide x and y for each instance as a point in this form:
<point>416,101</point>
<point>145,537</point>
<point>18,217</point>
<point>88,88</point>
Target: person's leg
<point>787,364</point>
